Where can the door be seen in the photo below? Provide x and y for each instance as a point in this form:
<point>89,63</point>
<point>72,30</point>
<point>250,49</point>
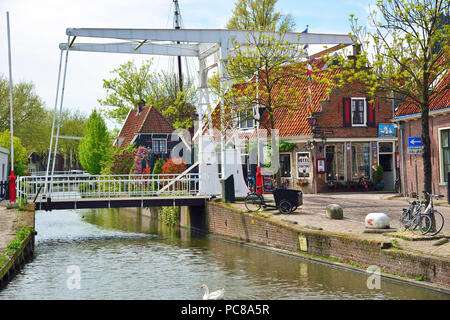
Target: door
<point>386,161</point>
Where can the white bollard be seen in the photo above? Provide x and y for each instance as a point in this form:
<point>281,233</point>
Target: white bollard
<point>377,220</point>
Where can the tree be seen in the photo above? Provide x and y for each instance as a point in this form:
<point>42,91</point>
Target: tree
<point>261,72</point>
<point>20,153</point>
<point>95,147</point>
<point>403,58</point>
<point>259,15</point>
<point>177,106</point>
<point>28,114</point>
<point>133,84</point>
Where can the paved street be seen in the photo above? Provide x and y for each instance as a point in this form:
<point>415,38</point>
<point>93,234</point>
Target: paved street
<point>312,214</point>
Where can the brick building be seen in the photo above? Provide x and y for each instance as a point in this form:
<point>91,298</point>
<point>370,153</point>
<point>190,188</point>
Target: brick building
<point>408,116</point>
<point>351,137</point>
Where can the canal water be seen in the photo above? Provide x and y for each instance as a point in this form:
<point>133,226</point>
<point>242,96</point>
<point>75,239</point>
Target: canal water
<point>107,254</point>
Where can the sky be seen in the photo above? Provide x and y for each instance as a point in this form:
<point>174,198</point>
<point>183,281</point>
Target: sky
<point>38,26</point>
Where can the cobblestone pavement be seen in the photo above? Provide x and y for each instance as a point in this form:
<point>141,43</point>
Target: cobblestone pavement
<point>312,214</point>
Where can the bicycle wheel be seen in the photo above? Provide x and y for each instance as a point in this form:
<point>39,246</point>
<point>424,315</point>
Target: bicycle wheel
<point>404,220</point>
<point>421,224</point>
<point>437,222</point>
<point>253,202</point>
<point>285,207</point>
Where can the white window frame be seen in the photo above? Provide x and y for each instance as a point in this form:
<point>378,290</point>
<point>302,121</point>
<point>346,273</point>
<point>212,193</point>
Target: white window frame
<point>252,119</point>
<point>290,164</point>
<point>310,166</point>
<point>364,124</point>
<point>159,139</point>
<point>441,157</point>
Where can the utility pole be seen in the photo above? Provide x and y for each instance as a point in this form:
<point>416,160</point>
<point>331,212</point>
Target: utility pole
<point>177,25</point>
<point>12,178</point>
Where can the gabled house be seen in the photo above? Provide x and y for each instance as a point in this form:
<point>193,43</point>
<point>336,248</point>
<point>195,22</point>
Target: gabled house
<point>351,137</point>
<point>408,117</point>
<point>145,126</point>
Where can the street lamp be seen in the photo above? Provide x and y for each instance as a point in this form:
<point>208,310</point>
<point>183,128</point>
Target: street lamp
<point>312,121</point>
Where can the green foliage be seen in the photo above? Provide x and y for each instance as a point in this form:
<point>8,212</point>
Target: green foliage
<point>20,153</point>
<point>379,173</point>
<point>123,160</point>
<point>259,14</point>
<point>157,169</point>
<point>95,147</point>
<point>28,113</point>
<point>286,146</point>
<point>132,84</point>
<point>402,58</point>
<point>170,215</point>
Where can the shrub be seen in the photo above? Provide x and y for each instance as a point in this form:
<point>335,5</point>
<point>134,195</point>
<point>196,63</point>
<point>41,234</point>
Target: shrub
<point>379,173</point>
<point>138,160</point>
<point>122,162</point>
<point>173,166</point>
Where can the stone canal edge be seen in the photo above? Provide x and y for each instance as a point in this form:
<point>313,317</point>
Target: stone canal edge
<point>343,250</point>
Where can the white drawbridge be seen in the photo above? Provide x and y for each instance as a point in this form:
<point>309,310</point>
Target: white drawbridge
<point>202,44</point>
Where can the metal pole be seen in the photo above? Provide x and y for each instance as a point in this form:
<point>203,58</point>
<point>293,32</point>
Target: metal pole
<point>402,159</point>
<point>60,110</point>
<point>417,183</point>
<point>12,178</point>
<point>53,124</point>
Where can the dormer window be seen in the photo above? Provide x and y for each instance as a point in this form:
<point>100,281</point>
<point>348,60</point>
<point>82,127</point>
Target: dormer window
<point>246,119</point>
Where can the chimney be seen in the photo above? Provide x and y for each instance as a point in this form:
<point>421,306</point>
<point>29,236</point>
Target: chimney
<point>140,105</point>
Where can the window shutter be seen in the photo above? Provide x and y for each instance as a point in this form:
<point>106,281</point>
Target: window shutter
<point>347,114</point>
<point>370,113</point>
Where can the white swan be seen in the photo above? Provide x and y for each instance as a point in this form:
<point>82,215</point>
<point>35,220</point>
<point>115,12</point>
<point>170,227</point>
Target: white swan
<point>216,295</point>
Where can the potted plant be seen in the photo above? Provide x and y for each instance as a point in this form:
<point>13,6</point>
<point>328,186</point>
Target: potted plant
<point>378,177</point>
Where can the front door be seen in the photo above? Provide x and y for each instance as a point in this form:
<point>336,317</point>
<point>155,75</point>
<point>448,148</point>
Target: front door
<point>386,161</point>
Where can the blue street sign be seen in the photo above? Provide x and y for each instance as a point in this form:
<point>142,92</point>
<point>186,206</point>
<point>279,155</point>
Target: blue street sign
<point>414,142</point>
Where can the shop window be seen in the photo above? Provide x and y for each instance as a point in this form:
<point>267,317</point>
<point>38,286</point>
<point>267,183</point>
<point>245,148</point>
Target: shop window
<point>361,160</point>
<point>335,162</point>
<point>285,165</point>
<point>445,147</point>
<point>303,165</point>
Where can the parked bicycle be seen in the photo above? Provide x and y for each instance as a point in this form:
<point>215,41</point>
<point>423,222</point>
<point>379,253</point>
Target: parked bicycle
<point>430,222</point>
<point>286,201</point>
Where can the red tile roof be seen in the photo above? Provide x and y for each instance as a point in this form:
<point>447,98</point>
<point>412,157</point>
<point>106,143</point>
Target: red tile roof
<point>292,121</point>
<point>440,101</point>
<point>149,120</point>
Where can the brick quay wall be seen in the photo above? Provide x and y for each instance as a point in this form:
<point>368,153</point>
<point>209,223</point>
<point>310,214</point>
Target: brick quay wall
<point>347,250</point>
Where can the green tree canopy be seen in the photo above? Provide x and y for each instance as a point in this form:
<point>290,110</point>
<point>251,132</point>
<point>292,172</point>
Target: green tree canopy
<point>20,153</point>
<point>95,148</point>
<point>28,114</point>
<point>132,84</point>
<point>402,58</point>
<point>259,15</point>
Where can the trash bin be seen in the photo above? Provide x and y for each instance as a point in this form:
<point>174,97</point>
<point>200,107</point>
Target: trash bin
<point>228,189</point>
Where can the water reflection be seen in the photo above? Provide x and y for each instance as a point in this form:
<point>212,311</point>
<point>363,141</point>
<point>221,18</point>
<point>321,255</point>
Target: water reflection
<point>123,255</point>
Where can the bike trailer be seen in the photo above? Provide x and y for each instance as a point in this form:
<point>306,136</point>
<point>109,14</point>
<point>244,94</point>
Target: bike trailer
<point>295,197</point>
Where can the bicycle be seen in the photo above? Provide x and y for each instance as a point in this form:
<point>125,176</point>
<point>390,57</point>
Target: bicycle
<point>437,219</point>
<point>285,200</point>
<point>429,222</point>
<point>411,218</point>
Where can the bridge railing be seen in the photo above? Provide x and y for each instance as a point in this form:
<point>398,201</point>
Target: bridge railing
<point>71,187</point>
